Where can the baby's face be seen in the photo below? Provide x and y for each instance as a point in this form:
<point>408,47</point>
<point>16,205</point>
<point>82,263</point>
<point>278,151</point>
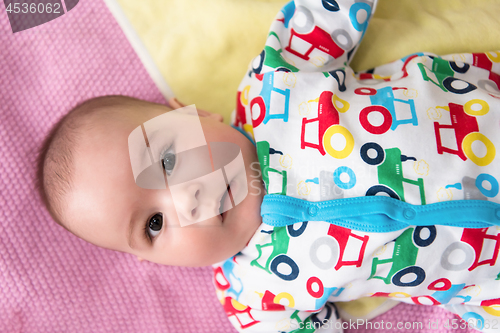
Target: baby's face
<point>107,208</point>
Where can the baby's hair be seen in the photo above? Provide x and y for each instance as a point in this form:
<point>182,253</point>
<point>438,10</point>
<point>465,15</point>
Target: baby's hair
<point>55,158</point>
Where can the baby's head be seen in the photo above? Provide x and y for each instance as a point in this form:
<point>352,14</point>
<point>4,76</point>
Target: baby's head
<point>88,185</point>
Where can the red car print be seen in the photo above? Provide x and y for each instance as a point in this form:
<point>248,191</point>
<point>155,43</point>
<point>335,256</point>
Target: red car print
<point>328,125</point>
<point>464,123</point>
<point>303,28</point>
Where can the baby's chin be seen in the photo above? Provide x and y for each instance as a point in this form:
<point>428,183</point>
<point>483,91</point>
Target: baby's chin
<point>236,240</point>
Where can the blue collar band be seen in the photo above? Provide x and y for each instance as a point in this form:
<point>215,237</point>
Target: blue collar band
<point>378,213</point>
<point>244,133</point>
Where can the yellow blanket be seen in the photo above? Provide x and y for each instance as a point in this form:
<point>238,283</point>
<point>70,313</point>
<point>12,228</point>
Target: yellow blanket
<point>203,48</point>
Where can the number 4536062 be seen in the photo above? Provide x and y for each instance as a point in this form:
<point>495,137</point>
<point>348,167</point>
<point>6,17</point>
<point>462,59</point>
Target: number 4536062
<point>474,323</point>
<point>34,8</point>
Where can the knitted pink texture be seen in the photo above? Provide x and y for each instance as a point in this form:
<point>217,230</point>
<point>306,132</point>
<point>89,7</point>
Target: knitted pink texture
<point>51,281</point>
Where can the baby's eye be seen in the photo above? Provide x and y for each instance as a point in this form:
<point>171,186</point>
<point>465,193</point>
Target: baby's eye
<point>168,162</point>
<point>154,226</point>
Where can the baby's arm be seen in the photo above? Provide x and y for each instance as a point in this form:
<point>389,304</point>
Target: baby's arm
<point>306,36</point>
<point>266,312</point>
<point>314,35</point>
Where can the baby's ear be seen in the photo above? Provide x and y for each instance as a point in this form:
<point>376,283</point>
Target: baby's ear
<point>214,116</point>
<point>175,104</point>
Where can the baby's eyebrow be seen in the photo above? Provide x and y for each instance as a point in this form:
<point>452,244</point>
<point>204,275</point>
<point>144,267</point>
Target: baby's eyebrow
<point>147,143</point>
<point>145,135</point>
<point>131,227</point>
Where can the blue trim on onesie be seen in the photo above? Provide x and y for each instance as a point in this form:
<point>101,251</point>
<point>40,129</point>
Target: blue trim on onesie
<point>244,133</point>
<point>379,213</point>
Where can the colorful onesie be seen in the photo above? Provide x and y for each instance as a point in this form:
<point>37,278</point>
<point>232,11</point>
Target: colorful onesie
<point>382,183</point>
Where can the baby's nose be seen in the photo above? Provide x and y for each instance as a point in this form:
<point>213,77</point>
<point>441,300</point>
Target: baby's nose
<point>195,203</point>
<point>188,205</point>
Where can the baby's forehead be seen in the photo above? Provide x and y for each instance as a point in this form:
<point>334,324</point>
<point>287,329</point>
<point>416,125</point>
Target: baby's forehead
<point>127,109</point>
<point>109,122</point>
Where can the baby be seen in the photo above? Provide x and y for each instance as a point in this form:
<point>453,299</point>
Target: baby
<point>92,197</point>
<point>365,179</point>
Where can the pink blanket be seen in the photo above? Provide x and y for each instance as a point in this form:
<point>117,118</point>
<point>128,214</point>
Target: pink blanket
<point>51,281</point>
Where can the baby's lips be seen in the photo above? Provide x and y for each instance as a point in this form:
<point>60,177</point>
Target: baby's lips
<point>227,155</point>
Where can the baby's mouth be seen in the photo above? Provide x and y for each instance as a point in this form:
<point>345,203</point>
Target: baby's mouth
<point>225,202</point>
